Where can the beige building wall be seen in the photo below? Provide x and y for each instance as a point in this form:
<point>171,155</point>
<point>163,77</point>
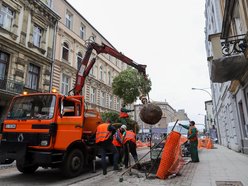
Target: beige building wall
<point>26,47</point>
<point>98,88</point>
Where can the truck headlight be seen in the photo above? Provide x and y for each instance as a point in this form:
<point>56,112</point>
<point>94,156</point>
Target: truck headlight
<point>44,139</point>
<point>44,143</point>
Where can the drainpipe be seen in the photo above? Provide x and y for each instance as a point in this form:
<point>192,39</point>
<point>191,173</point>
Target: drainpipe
<point>53,58</point>
<point>239,120</point>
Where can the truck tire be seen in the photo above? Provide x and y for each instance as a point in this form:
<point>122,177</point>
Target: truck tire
<point>26,169</point>
<point>73,164</point>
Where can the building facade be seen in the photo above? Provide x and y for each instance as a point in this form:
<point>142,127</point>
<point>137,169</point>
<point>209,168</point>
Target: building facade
<point>27,33</point>
<point>73,32</point>
<point>227,58</point>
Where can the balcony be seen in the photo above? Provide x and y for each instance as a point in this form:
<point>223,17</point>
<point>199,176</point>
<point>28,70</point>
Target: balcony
<point>11,86</point>
<point>229,62</point>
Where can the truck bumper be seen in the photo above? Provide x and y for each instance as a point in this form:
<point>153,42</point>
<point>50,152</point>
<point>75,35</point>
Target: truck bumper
<point>20,151</point>
<point>12,150</point>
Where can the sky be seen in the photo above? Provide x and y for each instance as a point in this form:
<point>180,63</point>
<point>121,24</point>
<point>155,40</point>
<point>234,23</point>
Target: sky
<point>167,36</point>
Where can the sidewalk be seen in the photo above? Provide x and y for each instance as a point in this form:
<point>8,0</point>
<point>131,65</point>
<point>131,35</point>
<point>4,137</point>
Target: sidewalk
<point>220,164</point>
<point>216,167</point>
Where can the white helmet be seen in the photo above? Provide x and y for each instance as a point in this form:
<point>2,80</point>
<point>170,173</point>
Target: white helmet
<point>124,127</point>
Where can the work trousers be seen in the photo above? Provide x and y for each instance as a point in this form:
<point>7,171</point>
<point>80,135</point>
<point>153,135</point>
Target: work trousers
<point>130,147</point>
<point>194,151</point>
<point>105,147</point>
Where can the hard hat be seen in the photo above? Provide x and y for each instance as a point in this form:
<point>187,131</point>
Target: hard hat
<point>124,127</point>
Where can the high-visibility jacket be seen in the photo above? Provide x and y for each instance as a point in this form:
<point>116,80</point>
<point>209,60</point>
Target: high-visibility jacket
<point>130,136</point>
<point>123,115</point>
<point>115,141</point>
<point>102,133</point>
<point>194,138</point>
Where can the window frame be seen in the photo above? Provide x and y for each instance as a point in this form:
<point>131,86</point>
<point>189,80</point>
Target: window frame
<point>68,19</point>
<point>5,15</point>
<point>31,74</point>
<point>65,86</point>
<point>65,56</point>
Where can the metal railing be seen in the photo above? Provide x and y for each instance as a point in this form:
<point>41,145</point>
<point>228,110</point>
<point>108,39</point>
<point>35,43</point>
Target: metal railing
<point>234,45</point>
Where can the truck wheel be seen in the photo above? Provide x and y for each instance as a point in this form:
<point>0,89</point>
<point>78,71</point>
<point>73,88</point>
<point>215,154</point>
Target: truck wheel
<point>26,169</point>
<point>73,164</point>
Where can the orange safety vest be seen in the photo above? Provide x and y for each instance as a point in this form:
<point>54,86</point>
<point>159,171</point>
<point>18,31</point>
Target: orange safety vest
<point>123,115</point>
<point>115,141</point>
<point>190,132</point>
<point>102,133</point>
<point>130,136</point>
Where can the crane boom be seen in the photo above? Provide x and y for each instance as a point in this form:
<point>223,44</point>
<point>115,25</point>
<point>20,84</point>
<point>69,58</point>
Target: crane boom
<point>85,68</point>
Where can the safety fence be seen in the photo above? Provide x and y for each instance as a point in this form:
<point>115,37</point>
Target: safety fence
<point>171,161</point>
<point>205,143</point>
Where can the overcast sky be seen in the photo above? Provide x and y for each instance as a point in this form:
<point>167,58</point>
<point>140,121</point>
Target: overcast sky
<point>167,36</point>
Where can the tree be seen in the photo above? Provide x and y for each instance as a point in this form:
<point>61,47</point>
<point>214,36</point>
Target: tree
<point>113,117</point>
<point>130,84</point>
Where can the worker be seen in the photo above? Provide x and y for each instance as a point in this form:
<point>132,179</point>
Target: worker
<point>193,139</point>
<point>117,142</point>
<point>104,137</point>
<point>124,114</point>
<point>129,142</point>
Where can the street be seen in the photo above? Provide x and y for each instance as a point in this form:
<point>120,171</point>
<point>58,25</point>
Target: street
<point>9,175</point>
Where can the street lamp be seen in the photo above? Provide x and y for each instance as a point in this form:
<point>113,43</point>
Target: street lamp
<point>215,106</point>
<point>203,90</point>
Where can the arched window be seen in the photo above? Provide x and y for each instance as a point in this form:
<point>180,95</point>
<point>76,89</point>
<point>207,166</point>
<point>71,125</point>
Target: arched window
<point>79,59</point>
<point>65,51</point>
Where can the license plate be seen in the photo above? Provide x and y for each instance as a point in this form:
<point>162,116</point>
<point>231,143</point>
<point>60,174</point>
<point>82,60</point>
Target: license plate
<point>10,126</point>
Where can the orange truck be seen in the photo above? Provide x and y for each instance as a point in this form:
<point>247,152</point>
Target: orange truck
<point>54,130</point>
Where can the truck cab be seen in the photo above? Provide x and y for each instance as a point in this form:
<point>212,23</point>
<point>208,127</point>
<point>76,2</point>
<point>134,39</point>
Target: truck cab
<point>49,130</point>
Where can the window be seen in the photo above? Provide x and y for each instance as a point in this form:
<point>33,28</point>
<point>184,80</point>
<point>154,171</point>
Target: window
<point>48,3</point>
<point>82,31</point>
<point>4,59</point>
<point>118,104</point>
<point>65,52</point>
<point>68,20</point>
<point>65,85</point>
<point>33,107</point>
<point>6,17</point>
<point>79,59</point>
<point>103,99</point>
<point>37,33</point>
<point>111,101</point>
<point>109,78</point>
<point>33,76</point>
<point>92,95</point>
<point>101,73</point>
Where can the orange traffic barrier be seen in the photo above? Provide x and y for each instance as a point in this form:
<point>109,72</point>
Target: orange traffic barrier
<point>170,159</point>
<point>209,144</point>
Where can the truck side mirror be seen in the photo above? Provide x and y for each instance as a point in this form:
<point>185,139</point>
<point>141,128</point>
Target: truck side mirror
<point>62,107</point>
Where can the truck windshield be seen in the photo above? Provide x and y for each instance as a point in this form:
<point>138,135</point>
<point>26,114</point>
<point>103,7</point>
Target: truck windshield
<point>32,107</point>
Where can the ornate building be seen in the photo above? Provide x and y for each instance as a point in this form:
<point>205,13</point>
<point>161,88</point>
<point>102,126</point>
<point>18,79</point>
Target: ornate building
<point>73,31</point>
<point>27,34</point>
<point>226,46</point>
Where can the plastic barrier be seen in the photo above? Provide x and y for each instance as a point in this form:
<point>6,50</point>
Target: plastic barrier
<point>171,156</point>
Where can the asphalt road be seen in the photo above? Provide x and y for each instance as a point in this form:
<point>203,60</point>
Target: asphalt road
<point>9,175</point>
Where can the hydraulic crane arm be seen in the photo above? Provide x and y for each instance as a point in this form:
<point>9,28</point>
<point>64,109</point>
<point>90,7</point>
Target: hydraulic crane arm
<point>85,68</point>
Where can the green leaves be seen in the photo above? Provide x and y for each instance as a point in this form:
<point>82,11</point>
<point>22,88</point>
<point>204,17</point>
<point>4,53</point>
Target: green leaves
<point>130,84</point>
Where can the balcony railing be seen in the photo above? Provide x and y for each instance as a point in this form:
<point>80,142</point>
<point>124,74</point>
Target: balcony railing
<point>234,45</point>
<point>11,85</point>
